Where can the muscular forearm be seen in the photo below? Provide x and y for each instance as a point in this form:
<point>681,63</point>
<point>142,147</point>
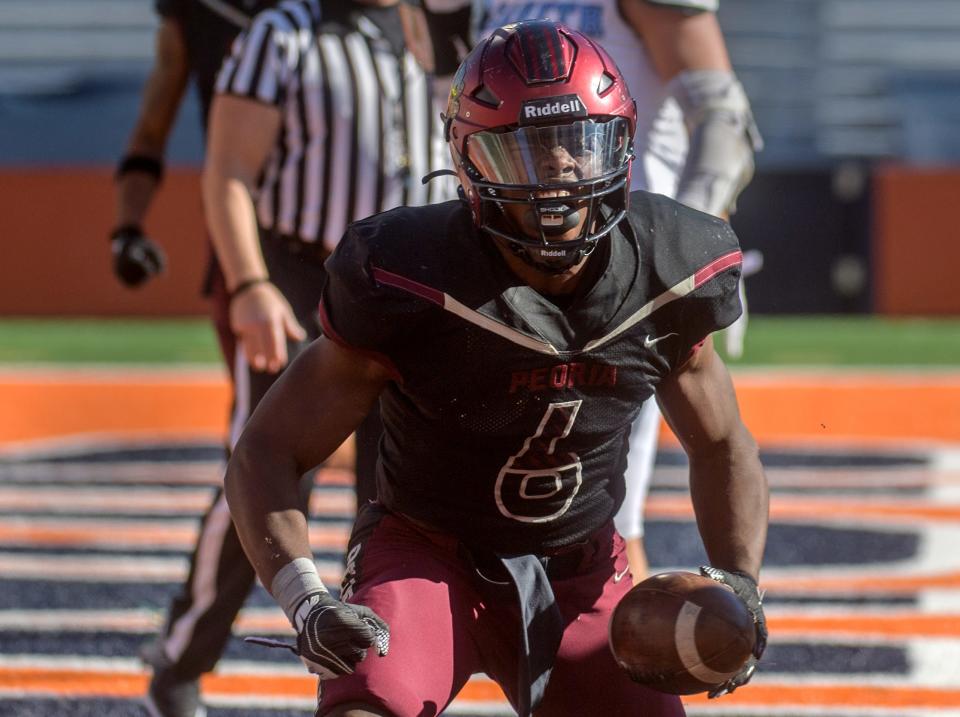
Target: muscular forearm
<point>727,483</point>
<point>305,416</point>
<point>730,498</point>
<point>263,495</point>
<point>162,96</point>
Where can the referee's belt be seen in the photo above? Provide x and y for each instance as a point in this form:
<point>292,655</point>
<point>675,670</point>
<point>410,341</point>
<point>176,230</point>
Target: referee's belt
<point>313,251</point>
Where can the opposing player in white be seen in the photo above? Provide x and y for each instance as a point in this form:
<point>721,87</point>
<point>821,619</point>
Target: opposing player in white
<point>695,142</point>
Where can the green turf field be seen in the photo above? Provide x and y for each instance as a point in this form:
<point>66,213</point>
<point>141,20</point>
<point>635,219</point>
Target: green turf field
<point>107,341</point>
<point>777,341</point>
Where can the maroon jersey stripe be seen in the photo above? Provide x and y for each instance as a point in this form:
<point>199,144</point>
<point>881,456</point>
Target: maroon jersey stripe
<point>723,263</point>
<point>414,287</point>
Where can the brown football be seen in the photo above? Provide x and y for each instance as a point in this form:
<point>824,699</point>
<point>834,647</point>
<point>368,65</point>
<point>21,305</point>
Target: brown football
<point>681,633</point>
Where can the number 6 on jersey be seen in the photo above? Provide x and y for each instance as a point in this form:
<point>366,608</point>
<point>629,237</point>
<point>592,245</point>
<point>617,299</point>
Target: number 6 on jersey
<point>538,483</point>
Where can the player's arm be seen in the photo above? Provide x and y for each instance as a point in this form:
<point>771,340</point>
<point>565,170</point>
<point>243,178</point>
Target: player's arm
<point>136,258</point>
<point>677,39</point>
<point>241,135</point>
<point>727,482</point>
<point>161,100</point>
<point>311,409</point>
<point>447,23</point>
<point>688,51</point>
<point>417,35</point>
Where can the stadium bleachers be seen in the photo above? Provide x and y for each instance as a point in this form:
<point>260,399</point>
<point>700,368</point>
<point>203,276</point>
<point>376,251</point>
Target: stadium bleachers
<point>829,79</point>
<point>835,79</point>
<point>52,32</point>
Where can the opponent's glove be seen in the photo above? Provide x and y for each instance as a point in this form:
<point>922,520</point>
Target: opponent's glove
<point>745,588</point>
<point>135,257</point>
<point>333,636</point>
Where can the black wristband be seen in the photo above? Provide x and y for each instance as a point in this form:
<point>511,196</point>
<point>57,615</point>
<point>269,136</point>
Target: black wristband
<point>125,230</point>
<point>140,163</point>
<point>247,284</point>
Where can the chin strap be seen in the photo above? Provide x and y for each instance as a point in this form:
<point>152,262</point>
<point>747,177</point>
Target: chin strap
<point>523,251</point>
<point>430,176</point>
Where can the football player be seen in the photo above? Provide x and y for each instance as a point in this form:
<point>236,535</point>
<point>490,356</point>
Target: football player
<point>695,141</point>
<point>511,339</point>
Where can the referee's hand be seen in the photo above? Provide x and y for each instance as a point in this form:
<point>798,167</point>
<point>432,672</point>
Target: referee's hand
<point>263,321</point>
<point>135,258</point>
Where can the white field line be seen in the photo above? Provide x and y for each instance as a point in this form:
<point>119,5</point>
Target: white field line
<point>159,501</point>
<point>879,477</point>
<point>119,569</point>
<point>934,663</point>
<point>80,443</point>
<point>144,534</point>
<point>141,473</point>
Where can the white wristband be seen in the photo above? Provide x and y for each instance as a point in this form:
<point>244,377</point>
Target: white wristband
<point>294,582</point>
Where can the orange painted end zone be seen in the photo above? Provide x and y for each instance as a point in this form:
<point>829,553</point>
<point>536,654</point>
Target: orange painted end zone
<point>833,697</point>
<point>870,406</point>
<point>775,695</point>
<point>37,409</point>
<point>777,409</point>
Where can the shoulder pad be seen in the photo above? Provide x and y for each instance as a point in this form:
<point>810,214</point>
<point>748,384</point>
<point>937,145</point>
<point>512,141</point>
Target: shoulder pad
<point>412,244</point>
<point>677,239</point>
<point>692,6</point>
<point>694,256</point>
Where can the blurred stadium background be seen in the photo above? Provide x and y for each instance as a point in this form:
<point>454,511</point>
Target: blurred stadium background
<point>853,204</point>
<point>112,402</point>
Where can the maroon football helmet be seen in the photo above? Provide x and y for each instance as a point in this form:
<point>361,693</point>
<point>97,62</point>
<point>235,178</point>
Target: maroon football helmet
<point>539,115</point>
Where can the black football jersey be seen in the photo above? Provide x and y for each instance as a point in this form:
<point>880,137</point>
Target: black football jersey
<point>508,419</point>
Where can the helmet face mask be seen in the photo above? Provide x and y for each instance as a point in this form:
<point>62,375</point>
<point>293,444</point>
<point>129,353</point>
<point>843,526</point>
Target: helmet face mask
<point>540,128</point>
<point>563,175</point>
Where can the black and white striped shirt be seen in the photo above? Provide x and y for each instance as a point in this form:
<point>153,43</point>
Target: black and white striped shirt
<point>358,130</point>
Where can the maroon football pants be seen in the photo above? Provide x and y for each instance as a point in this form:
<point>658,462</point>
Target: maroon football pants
<point>447,623</point>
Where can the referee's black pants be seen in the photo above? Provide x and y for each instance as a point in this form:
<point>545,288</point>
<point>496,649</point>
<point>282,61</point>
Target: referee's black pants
<point>220,578</point>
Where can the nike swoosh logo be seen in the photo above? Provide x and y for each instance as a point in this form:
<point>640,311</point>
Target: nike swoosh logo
<point>617,577</point>
<point>649,341</point>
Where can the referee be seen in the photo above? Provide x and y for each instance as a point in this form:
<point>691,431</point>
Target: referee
<point>321,116</point>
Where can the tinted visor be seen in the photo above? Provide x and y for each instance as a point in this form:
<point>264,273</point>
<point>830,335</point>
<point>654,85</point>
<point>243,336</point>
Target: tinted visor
<point>559,154</point>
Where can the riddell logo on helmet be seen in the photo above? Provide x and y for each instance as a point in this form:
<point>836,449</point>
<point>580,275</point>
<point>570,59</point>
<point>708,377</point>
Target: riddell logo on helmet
<point>553,252</point>
<point>550,107</point>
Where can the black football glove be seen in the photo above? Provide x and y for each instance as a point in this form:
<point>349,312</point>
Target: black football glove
<point>135,257</point>
<point>745,588</point>
<point>333,636</point>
